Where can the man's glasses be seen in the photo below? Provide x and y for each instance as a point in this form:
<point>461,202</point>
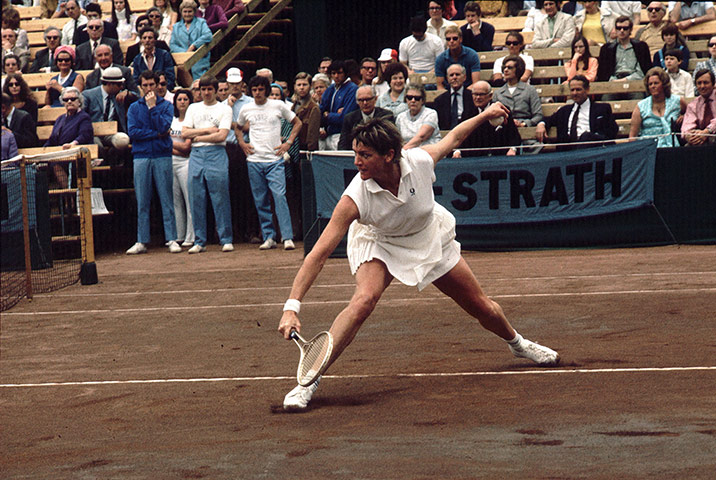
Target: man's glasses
<point>511,43</point>
<point>414,97</point>
<point>452,39</point>
<point>70,99</point>
<point>363,100</point>
<point>623,29</point>
<point>653,9</point>
<point>94,27</point>
<point>712,45</point>
<point>52,37</point>
<point>368,68</point>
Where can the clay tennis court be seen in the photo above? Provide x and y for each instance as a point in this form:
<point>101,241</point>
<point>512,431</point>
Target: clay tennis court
<point>171,367</point>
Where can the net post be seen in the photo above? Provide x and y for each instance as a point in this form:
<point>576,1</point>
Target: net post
<point>88,270</point>
<point>26,227</point>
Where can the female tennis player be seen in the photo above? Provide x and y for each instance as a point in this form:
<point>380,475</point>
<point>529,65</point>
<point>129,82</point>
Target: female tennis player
<point>397,230</point>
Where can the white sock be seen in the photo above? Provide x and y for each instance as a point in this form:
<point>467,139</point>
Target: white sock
<point>516,342</point>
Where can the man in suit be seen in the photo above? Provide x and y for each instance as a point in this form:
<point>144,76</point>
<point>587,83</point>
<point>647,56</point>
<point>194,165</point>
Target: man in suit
<point>455,105</point>
<point>85,51</point>
<point>20,123</point>
<point>487,135</point>
<point>44,59</point>
<point>557,29</point>
<point>10,46</point>
<point>153,58</point>
<point>366,98</point>
<point>103,58</point>
<point>582,121</point>
<point>94,11</point>
<point>135,49</point>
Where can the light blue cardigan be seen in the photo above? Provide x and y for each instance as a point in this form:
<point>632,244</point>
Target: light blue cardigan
<point>197,35</point>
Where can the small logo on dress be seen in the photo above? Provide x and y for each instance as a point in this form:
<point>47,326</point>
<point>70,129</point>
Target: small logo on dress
<point>412,192</point>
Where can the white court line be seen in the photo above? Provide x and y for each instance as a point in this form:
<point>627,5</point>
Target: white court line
<point>345,301</point>
<point>384,375</point>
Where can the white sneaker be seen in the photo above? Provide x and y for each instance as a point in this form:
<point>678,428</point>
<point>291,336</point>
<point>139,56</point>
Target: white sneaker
<point>186,244</point>
<point>174,247</point>
<point>298,398</point>
<point>541,355</point>
<point>227,247</point>
<point>288,245</point>
<point>136,249</point>
<point>197,249</point>
<point>268,244</point>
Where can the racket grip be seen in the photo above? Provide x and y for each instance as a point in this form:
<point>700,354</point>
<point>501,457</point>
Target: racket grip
<point>293,335</point>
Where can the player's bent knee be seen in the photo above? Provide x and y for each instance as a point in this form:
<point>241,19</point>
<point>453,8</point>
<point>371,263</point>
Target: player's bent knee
<point>364,303</point>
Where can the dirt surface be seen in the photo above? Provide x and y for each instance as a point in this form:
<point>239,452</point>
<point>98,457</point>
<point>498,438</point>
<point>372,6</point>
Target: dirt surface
<point>171,367</point>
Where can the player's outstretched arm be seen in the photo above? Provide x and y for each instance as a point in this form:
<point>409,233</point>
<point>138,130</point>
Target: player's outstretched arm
<point>343,215</point>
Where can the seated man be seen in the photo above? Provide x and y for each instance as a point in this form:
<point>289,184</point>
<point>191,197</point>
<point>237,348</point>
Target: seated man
<point>20,124</point>
<point>556,30</point>
<point>72,9</point>
<point>488,135</point>
<point>456,104</point>
<point>582,121</point>
<point>44,59</point>
<point>153,58</point>
<point>366,98</point>
<point>651,33</point>
<point>103,59</point>
<point>688,14</point>
<point>457,53</point>
<point>85,51</point>
<point>419,51</point>
<point>624,59</point>
<point>10,46</point>
<point>700,118</point>
<point>709,64</point>
<point>93,10</point>
<point>137,48</point>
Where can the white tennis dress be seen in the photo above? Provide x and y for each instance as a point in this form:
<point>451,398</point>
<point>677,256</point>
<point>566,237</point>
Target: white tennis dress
<point>412,234</point>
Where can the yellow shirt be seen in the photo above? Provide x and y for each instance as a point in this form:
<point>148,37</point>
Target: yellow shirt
<point>592,28</point>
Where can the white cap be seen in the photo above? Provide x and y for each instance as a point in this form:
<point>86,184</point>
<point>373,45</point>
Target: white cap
<point>386,55</point>
<point>234,75</point>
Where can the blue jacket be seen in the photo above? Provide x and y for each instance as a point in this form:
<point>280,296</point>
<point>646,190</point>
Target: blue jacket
<point>163,62</point>
<point>345,98</point>
<point>198,34</point>
<point>149,129</point>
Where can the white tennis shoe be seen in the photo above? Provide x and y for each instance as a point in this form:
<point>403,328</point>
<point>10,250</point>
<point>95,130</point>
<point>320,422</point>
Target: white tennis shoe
<point>541,355</point>
<point>298,398</point>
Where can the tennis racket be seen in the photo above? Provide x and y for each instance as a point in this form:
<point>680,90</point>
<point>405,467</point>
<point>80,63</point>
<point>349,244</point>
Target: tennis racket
<point>315,354</point>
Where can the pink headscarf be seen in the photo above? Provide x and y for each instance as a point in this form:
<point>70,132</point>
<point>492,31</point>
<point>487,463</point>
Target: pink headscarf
<point>67,49</point>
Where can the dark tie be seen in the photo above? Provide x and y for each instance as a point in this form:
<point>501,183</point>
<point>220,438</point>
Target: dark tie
<point>573,125</point>
<point>708,115</point>
<point>107,108</point>
<point>453,111</point>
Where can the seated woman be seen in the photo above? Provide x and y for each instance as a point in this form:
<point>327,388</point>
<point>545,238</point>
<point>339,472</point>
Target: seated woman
<point>673,40</point>
<point>70,129</point>
<point>394,99</point>
<point>190,34</point>
<point>123,19</point>
<point>169,15</point>
<point>213,14</point>
<point>418,125</point>
<point>594,24</point>
<point>380,83</point>
<point>515,44</point>
<point>522,99</point>
<point>67,77</point>
<point>582,62</point>
<point>658,113</point>
<point>164,33</point>
<point>19,91</point>
<point>11,20</point>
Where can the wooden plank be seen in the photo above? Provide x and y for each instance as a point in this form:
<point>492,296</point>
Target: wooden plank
<point>40,24</point>
<point>619,107</point>
<point>706,28</point>
<point>595,88</point>
<point>528,133</point>
<point>93,148</point>
<point>39,80</point>
<point>505,24</point>
<point>180,58</point>
<point>49,115</point>
<point>100,129</point>
<point>500,37</point>
<point>36,39</point>
<point>28,12</point>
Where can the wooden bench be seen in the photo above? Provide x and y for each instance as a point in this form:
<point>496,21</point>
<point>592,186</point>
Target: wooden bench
<point>93,148</point>
<point>529,133</point>
<point>100,129</point>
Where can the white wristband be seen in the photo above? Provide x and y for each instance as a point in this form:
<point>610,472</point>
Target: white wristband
<point>293,305</point>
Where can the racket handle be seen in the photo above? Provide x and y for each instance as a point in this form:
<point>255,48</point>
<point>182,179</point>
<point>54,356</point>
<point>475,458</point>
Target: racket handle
<point>293,335</point>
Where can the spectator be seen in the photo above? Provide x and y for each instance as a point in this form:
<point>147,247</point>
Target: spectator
<point>19,122</point>
<point>123,20</point>
<point>625,59</point>
<point>436,24</point>
<point>164,33</point>
<point>10,47</point>
<point>688,14</point>
<point>651,32</point>
<point>352,70</point>
<point>672,41</point>
<point>264,154</point>
<point>323,65</point>
<point>85,51</point>
<point>66,77</point>
<point>387,56</point>
<point>337,101</point>
<point>277,93</point>
<point>152,58</point>
<point>181,148</point>
<point>190,34</point>
<point>700,118</point>
<point>308,112</point>
<point>631,9</point>
<point>223,91</point>
<point>419,50</point>
<point>94,12</point>
<point>681,82</point>
<point>9,146</point>
<point>582,62</point>
<point>487,135</point>
<point>213,14</point>
<point>557,30</point>
<point>231,7</point>
<point>394,98</point>
<point>492,8</point>
<point>521,98</point>
<point>137,48</point>
<point>207,124</point>
<point>515,44</point>
<point>162,90</point>
<point>709,64</point>
<point>196,92</point>
<point>103,60</point>
<point>72,8</point>
<point>70,129</point>
<point>11,65</point>
<point>658,114</point>
<point>368,71</point>
<point>266,72</point>
<point>20,93</point>
<point>457,53</point>
<point>44,58</point>
<point>418,125</point>
<point>535,15</point>
<point>11,20</point>
<point>476,33</point>
<point>319,85</point>
<point>456,104</point>
<point>581,121</point>
<point>169,16</point>
<point>595,24</point>
<point>149,120</point>
<point>366,98</point>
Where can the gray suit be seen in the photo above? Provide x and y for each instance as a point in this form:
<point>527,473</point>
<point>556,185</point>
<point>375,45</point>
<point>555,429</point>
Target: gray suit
<point>94,106</point>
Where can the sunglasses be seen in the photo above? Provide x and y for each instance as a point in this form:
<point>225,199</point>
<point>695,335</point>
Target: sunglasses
<point>154,16</point>
<point>435,8</point>
<point>512,43</point>
<point>451,39</point>
<point>52,37</point>
<point>368,68</point>
<point>15,84</point>
<point>508,67</point>
<point>94,27</point>
<point>712,45</point>
<point>70,99</point>
<point>414,97</point>
<point>64,60</point>
<point>653,9</point>
<point>623,29</point>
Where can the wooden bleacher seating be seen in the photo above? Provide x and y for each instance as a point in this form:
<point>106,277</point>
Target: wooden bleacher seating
<point>93,148</point>
<point>100,129</point>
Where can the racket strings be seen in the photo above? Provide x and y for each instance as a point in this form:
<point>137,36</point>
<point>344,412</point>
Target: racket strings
<point>315,356</point>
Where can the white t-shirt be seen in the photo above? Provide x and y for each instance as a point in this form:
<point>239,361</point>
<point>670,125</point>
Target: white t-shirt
<point>265,128</point>
<point>200,115</point>
<point>420,55</point>
<point>175,132</point>
<point>409,125</point>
